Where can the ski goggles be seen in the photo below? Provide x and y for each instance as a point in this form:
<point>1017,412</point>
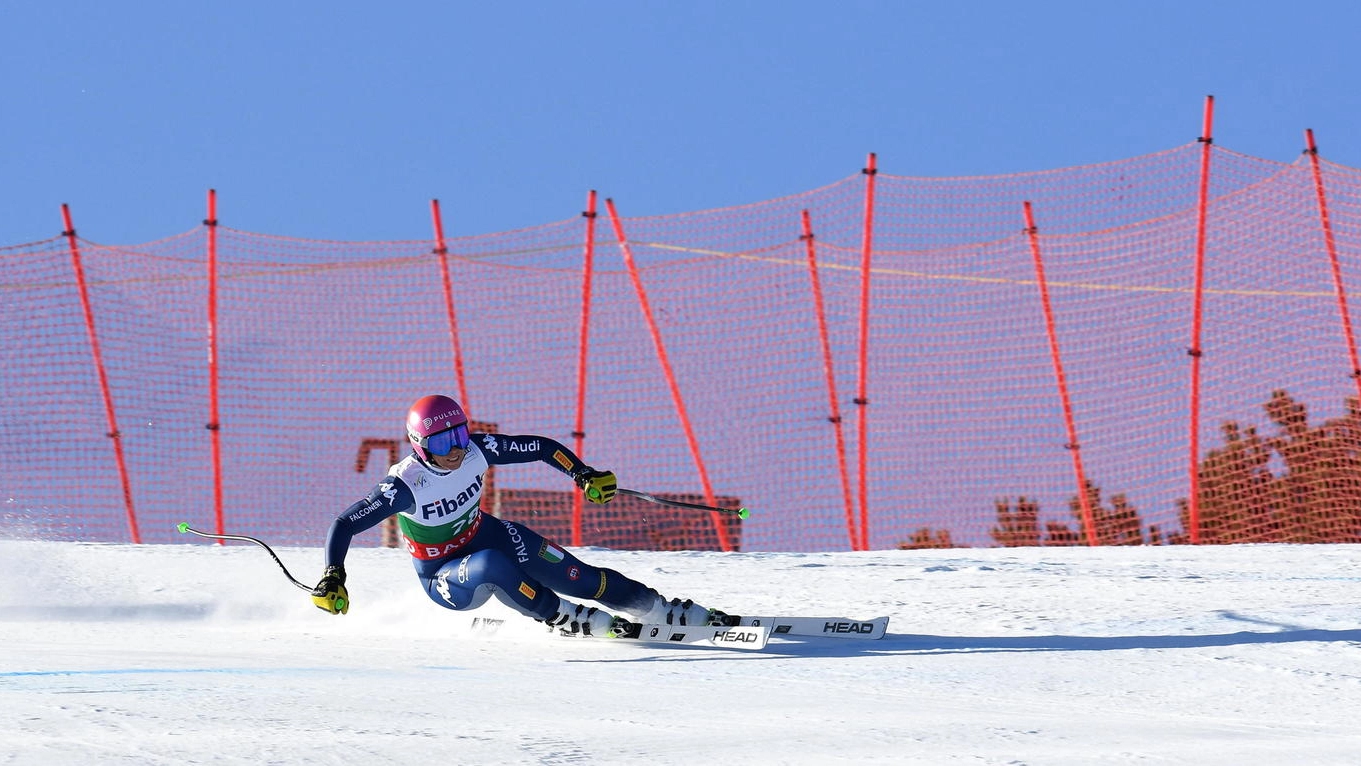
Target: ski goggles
<point>446,441</point>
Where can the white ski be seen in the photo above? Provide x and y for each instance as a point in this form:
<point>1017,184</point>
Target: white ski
<point>828,627</point>
<point>750,633</point>
<point>753,637</point>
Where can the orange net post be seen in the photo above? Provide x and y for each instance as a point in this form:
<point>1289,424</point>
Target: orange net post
<point>98,359</point>
<point>214,412</point>
<point>451,315</point>
<point>1197,313</point>
<point>1334,263</point>
<point>583,349</point>
<point>682,413</point>
<point>834,406</point>
<point>1060,380</point>
<point>862,399</point>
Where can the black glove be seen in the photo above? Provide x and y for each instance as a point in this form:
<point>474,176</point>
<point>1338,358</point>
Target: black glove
<point>599,486</point>
<point>330,592</point>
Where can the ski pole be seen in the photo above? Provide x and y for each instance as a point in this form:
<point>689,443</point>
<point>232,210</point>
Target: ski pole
<point>183,526</point>
<point>740,513</point>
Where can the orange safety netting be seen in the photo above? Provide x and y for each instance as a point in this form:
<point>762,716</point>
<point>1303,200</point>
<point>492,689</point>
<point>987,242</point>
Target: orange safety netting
<point>984,369</point>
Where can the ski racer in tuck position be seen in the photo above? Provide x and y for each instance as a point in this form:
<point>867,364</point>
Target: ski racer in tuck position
<point>464,556</point>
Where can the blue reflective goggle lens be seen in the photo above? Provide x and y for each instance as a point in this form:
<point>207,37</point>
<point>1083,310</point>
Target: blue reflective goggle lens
<point>444,442</point>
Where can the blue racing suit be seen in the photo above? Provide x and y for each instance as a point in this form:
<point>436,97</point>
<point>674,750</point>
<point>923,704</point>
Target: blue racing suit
<point>462,555</point>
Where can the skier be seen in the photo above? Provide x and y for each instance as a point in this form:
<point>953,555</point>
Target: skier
<point>463,556</point>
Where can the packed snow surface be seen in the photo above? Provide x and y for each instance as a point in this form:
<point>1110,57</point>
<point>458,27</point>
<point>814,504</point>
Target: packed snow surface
<point>194,653</point>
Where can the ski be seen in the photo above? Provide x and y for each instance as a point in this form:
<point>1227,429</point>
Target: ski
<point>827,627</point>
<point>750,633</point>
<point>753,637</point>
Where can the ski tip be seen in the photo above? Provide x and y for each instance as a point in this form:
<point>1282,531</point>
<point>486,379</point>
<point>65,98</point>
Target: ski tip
<point>183,527</point>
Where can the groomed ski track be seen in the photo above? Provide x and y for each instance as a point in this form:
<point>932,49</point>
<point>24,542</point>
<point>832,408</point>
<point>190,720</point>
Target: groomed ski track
<point>205,653</point>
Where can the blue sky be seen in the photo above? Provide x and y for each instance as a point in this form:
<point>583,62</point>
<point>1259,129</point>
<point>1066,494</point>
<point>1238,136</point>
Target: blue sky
<point>341,121</point>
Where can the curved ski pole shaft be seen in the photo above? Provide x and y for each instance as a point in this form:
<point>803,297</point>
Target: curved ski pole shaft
<point>183,526</point>
<point>740,513</point>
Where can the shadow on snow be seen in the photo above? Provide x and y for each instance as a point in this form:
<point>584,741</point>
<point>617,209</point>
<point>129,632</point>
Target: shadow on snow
<point>917,644</point>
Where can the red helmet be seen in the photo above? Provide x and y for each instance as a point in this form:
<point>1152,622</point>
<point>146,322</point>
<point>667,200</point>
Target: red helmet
<point>432,415</point>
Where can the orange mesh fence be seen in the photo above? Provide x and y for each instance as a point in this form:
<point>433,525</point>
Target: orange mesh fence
<point>716,373</point>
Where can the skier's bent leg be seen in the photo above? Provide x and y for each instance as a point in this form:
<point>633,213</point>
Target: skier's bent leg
<point>569,575</point>
<point>562,571</point>
<point>467,582</point>
<point>565,573</point>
